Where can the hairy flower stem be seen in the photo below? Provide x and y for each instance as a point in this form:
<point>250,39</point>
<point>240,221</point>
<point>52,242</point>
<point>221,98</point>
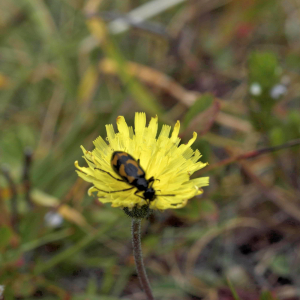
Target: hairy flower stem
<point>138,257</point>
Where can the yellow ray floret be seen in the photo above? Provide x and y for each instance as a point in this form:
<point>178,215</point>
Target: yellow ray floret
<point>160,157</point>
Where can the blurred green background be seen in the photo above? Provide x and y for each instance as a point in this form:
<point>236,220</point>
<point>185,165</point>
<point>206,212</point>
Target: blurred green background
<point>228,69</point>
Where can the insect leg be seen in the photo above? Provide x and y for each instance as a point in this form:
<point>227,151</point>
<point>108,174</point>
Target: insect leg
<point>151,179</point>
<point>137,191</point>
<point>147,200</point>
<point>110,174</point>
<point>115,191</point>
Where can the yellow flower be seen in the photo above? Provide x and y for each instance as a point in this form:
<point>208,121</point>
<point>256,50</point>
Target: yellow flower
<point>161,157</point>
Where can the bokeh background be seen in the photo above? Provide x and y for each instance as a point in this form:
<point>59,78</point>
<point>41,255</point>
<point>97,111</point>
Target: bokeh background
<point>227,69</point>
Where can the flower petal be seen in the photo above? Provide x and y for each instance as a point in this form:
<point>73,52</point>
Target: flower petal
<point>122,127</point>
<point>139,124</point>
<point>152,128</point>
<point>175,132</point>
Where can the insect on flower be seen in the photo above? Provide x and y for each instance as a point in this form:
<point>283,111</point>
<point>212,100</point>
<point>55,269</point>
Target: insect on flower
<point>132,173</point>
<point>134,167</point>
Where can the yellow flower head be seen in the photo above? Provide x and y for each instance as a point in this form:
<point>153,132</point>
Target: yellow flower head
<point>160,157</point>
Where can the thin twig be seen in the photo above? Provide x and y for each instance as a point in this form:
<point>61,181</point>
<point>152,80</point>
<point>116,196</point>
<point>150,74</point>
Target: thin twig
<point>252,154</point>
<point>26,176</point>
<point>138,257</point>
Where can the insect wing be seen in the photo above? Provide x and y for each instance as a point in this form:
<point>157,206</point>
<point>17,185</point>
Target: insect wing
<point>126,166</point>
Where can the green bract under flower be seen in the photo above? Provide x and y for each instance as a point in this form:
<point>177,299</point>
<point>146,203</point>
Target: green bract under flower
<point>161,157</point>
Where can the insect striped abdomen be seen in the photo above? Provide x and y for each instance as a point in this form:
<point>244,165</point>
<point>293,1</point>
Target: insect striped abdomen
<point>126,166</point>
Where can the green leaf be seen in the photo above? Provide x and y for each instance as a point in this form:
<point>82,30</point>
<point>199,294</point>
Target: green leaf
<point>293,124</point>
<point>108,280</point>
<point>151,242</point>
<point>233,291</point>
<point>71,251</point>
<point>264,73</point>
<point>8,293</point>
<point>280,265</point>
<point>200,105</point>
<point>5,235</point>
<point>30,226</point>
<point>24,285</point>
<point>264,69</point>
<point>208,208</point>
<point>266,295</point>
<point>198,209</point>
<point>277,136</point>
<point>92,286</point>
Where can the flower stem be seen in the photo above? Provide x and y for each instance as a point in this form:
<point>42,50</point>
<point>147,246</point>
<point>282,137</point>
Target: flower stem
<point>138,257</point>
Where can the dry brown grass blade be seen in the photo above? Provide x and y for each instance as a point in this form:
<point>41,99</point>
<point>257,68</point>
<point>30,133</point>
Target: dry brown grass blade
<point>76,193</point>
<point>92,6</point>
<point>165,83</point>
<point>203,121</point>
<point>69,213</point>
<point>277,196</point>
<point>48,127</point>
<point>73,216</point>
<point>234,122</point>
<point>211,234</point>
<point>196,286</point>
<point>153,78</point>
<point>87,86</point>
<point>287,292</point>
